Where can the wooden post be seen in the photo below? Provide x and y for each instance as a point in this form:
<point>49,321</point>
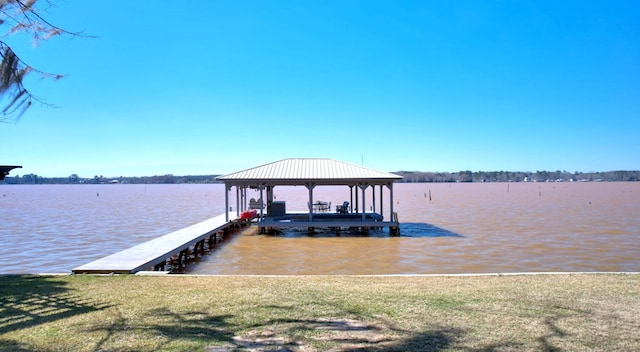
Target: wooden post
<point>310,187</point>
<point>364,207</point>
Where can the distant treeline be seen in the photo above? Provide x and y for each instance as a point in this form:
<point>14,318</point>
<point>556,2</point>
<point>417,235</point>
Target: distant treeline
<point>408,176</point>
<point>518,176</point>
<point>75,179</point>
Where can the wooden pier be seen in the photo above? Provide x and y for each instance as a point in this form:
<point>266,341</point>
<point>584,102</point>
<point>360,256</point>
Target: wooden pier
<point>157,253</point>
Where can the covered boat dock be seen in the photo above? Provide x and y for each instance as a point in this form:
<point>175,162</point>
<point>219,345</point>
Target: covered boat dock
<point>312,173</point>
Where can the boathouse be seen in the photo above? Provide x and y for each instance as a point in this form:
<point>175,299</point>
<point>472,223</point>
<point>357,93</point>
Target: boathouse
<point>363,209</point>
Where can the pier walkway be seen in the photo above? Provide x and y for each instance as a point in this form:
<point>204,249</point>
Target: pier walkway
<point>154,253</point>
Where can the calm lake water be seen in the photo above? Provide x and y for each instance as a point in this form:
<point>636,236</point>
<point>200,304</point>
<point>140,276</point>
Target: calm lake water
<point>446,228</point>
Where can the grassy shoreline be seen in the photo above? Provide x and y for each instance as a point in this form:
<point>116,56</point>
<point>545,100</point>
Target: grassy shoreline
<point>560,312</point>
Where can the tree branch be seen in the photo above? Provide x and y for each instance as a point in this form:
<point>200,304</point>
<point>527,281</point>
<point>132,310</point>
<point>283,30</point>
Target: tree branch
<point>22,15</point>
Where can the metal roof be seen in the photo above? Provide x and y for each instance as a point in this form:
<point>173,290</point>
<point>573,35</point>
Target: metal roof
<point>5,169</point>
<point>300,170</point>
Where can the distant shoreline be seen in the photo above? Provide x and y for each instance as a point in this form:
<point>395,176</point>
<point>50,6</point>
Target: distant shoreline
<point>407,177</point>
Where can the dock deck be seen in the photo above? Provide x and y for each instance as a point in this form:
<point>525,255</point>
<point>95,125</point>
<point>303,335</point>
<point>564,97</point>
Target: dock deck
<point>300,219</point>
<point>156,251</point>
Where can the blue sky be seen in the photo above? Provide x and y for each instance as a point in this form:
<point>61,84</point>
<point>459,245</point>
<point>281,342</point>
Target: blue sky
<point>213,87</point>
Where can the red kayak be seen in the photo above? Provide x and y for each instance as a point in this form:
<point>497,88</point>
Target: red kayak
<point>248,214</point>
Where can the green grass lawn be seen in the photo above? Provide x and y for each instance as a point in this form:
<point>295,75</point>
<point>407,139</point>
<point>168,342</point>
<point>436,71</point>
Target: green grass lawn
<point>594,312</point>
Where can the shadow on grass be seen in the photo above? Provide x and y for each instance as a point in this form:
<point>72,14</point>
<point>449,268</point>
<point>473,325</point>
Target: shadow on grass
<point>193,325</point>
<point>345,335</point>
<point>12,346</point>
<point>193,330</point>
<point>27,301</point>
<point>428,341</point>
<point>225,333</point>
<point>184,328</point>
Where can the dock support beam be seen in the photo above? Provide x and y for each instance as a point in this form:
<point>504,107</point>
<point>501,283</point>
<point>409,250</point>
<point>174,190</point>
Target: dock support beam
<point>363,187</point>
<point>310,187</point>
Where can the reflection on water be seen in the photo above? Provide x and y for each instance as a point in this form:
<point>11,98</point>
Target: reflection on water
<point>415,229</point>
<point>461,228</point>
<point>411,229</point>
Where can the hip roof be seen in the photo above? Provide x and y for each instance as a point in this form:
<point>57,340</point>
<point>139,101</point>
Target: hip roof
<point>302,170</point>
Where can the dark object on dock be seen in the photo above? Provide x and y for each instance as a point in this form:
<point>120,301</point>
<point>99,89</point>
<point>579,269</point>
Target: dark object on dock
<point>343,209</point>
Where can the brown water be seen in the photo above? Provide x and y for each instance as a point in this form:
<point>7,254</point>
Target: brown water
<point>463,228</point>
<point>54,228</point>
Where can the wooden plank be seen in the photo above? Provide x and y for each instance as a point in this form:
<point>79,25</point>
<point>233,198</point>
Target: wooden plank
<point>155,251</point>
